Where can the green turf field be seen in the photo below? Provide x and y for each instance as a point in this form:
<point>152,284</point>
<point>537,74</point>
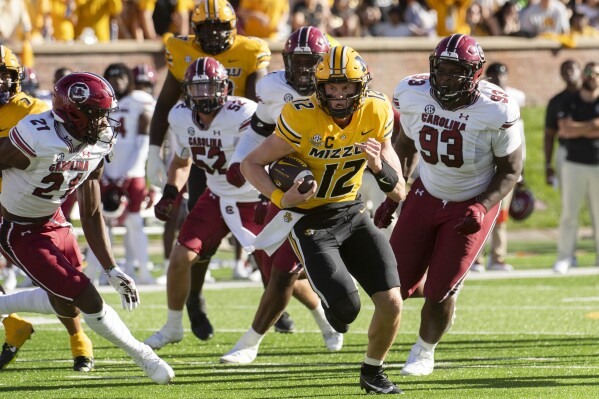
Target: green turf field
<point>513,338</point>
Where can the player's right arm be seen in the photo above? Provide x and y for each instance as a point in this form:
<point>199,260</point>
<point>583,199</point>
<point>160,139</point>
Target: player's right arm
<point>407,153</point>
<point>92,222</point>
<point>252,167</point>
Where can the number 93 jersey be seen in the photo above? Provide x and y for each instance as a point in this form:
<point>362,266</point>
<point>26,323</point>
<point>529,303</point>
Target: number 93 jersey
<point>329,150</point>
<point>58,165</point>
<point>211,147</point>
<point>457,147</point>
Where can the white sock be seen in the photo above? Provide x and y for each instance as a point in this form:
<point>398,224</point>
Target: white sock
<point>174,319</point>
<point>321,320</point>
<point>372,362</point>
<point>35,301</point>
<point>249,339</point>
<point>109,325</point>
<point>426,345</point>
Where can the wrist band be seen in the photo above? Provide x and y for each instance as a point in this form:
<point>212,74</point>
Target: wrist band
<point>170,191</point>
<point>387,178</point>
<point>276,197</point>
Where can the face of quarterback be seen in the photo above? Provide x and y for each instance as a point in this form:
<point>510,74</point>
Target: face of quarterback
<point>341,95</point>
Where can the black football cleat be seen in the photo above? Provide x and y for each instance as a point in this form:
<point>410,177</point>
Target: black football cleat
<point>200,325</point>
<point>378,383</point>
<point>8,355</point>
<point>285,324</point>
<point>83,364</point>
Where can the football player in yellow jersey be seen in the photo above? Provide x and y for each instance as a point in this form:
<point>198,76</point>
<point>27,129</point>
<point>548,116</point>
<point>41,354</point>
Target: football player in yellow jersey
<point>14,105</point>
<point>339,131</point>
<point>246,60</point>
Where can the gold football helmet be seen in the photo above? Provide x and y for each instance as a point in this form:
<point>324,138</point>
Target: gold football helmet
<point>342,64</point>
<point>9,62</point>
<point>215,25</point>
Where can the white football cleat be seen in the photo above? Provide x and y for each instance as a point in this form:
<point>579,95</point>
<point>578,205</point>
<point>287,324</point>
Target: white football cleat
<point>561,266</point>
<point>333,341</point>
<point>240,355</point>
<point>154,367</point>
<point>501,267</point>
<point>420,362</point>
<point>164,337</point>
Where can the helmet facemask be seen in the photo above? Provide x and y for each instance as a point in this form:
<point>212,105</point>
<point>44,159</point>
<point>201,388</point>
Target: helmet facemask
<point>330,103</point>
<point>9,85</point>
<point>299,71</point>
<point>451,87</point>
<point>90,124</point>
<point>214,36</point>
<point>205,97</point>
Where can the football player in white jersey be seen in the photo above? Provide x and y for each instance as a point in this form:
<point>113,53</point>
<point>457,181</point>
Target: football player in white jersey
<point>44,158</point>
<point>208,125</point>
<point>469,160</point>
<point>124,189</point>
<point>303,49</point>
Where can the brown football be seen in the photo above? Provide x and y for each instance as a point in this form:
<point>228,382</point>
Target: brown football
<point>286,171</point>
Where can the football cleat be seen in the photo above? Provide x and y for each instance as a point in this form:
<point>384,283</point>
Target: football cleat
<point>163,337</point>
<point>154,367</point>
<point>285,324</point>
<point>240,355</point>
<point>8,355</point>
<point>17,329</point>
<point>502,267</point>
<point>200,325</point>
<point>83,363</point>
<point>333,341</point>
<point>378,383</point>
<point>420,362</point>
<point>561,266</point>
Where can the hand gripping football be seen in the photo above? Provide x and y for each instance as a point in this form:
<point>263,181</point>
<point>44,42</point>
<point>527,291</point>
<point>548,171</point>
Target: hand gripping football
<point>286,171</point>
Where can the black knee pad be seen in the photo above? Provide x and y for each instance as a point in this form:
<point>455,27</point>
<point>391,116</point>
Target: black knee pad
<point>342,313</point>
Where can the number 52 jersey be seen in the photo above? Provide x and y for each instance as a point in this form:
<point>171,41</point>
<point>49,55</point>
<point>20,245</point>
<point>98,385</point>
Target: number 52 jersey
<point>58,165</point>
<point>457,147</point>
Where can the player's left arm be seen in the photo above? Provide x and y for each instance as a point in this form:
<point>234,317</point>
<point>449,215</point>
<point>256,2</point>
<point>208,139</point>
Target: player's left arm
<point>92,222</point>
<point>507,172</point>
<point>385,166</point>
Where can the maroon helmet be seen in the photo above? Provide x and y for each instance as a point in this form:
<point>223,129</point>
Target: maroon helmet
<point>144,74</point>
<point>82,102</point>
<point>302,51</point>
<point>205,85</point>
<point>523,203</point>
<point>464,51</point>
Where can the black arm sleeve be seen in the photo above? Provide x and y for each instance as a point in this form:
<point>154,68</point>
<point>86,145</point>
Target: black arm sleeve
<point>262,128</point>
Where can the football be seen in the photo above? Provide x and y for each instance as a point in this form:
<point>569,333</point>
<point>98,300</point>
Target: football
<point>286,171</point>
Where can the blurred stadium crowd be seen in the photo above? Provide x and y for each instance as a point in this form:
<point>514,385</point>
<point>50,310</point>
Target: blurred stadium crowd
<point>91,21</point>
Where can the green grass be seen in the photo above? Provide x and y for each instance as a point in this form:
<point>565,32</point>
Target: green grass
<point>519,338</point>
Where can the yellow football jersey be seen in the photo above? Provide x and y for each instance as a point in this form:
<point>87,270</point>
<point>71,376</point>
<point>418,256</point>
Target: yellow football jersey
<point>244,57</point>
<point>17,108</point>
<point>329,150</point>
